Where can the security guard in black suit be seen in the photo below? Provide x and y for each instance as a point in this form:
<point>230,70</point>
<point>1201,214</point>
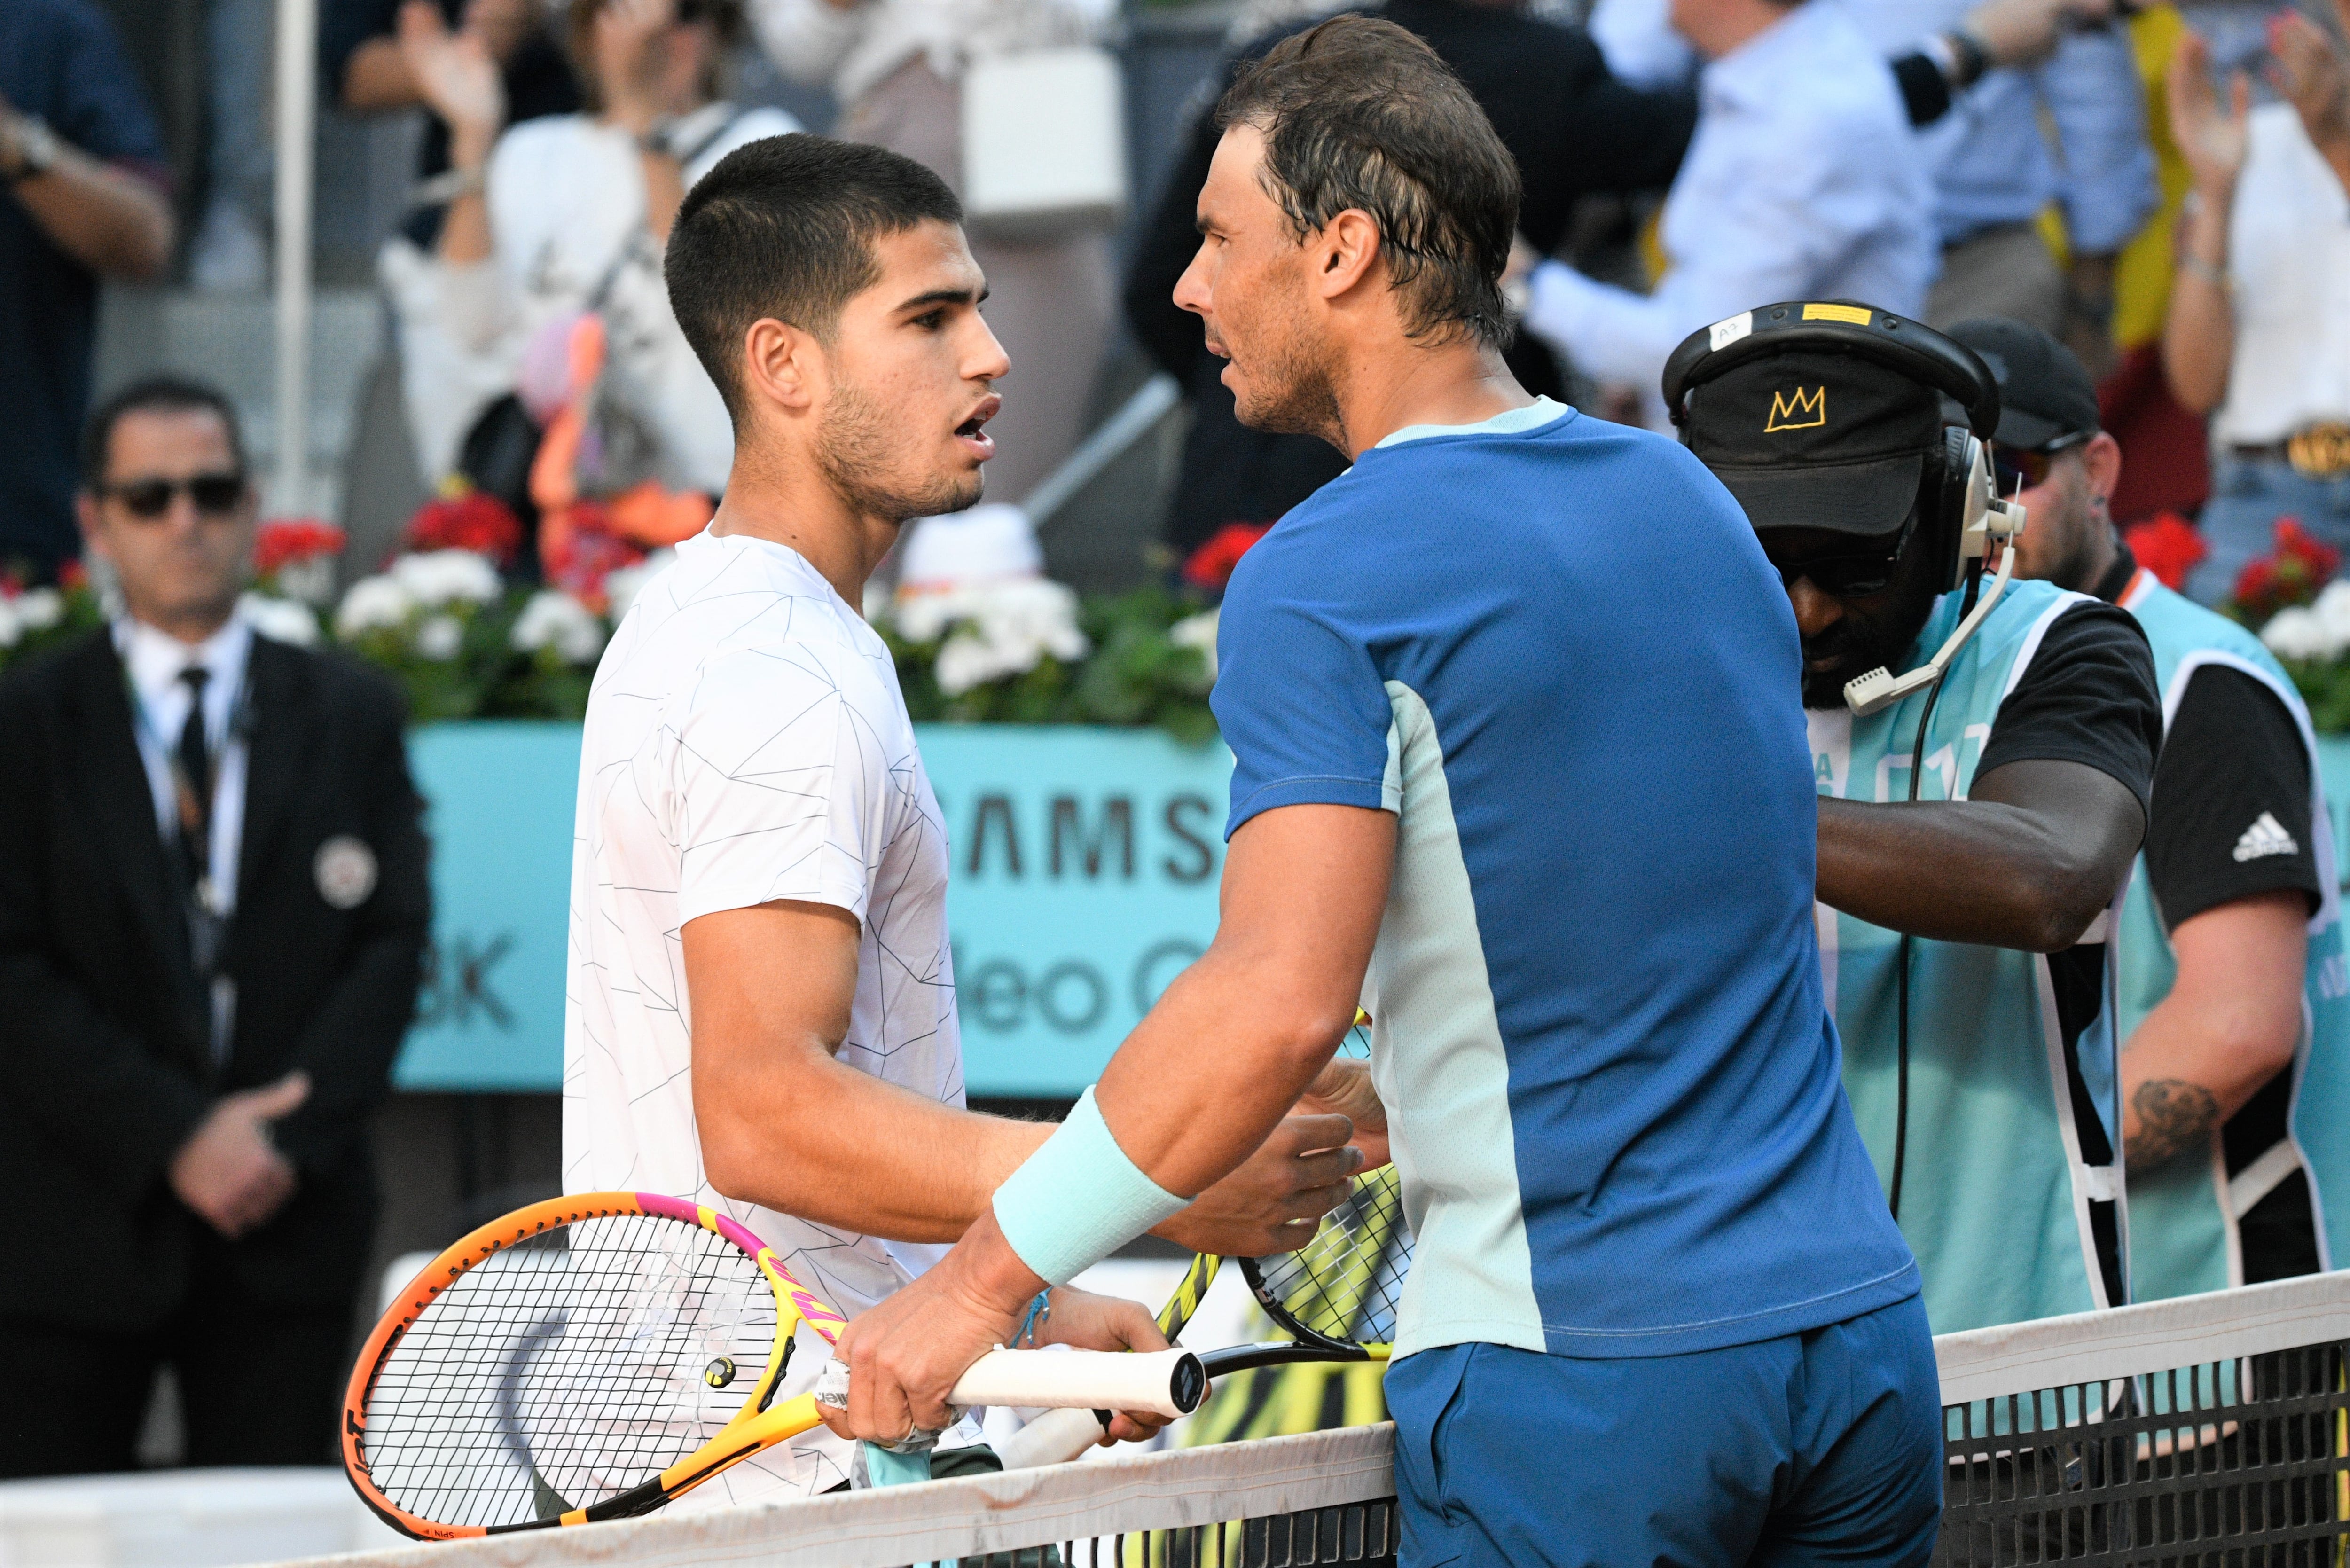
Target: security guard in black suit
<point>213,915</point>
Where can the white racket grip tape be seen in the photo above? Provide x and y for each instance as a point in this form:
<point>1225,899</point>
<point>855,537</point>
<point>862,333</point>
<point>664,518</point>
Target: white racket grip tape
<point>1163,1382</point>
<point>1053,1438</point>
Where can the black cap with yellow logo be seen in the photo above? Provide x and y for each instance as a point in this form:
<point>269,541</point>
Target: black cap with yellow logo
<point>1825,413</point>
<point>1816,437</point>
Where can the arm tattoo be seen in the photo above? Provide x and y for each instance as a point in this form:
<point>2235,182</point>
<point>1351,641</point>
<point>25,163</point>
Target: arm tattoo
<point>2173,1116</point>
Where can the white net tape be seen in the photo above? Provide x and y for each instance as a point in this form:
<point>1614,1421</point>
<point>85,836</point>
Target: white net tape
<point>2127,1341</point>
<point>964,1518</point>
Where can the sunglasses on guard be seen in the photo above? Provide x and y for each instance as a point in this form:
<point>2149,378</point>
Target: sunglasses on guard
<point>214,494</point>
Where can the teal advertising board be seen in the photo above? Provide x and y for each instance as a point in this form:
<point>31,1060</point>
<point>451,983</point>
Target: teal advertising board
<point>1085,869</point>
<point>1083,880</point>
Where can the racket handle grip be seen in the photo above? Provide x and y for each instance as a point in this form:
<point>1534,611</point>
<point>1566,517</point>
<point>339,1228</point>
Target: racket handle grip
<point>1163,1382</point>
<point>1053,1438</point>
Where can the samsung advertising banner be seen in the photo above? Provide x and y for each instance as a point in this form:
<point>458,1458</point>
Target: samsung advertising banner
<point>1084,870</point>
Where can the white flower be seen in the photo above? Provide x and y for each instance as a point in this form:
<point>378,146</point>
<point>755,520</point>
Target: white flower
<point>553,618</point>
<point>623,583</point>
<point>1000,628</point>
<point>2300,633</point>
<point>2332,608</point>
<point>1198,632</point>
<point>437,577</point>
<point>440,636</point>
<point>374,604</point>
<point>40,609</point>
<point>965,662</point>
<point>925,617</point>
<point>12,623</point>
<point>280,620</point>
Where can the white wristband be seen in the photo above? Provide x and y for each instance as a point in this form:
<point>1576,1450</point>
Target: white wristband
<point>1078,1199</point>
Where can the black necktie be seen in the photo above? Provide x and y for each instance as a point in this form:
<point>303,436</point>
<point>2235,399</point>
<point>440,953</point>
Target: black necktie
<point>195,785</point>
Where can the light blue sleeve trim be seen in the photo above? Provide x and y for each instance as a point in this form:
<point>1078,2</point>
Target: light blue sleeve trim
<point>1078,1199</point>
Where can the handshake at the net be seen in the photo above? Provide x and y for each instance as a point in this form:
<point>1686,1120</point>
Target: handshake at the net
<point>905,1353</point>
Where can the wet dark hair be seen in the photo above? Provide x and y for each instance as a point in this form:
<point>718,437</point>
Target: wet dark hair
<point>1360,113</point>
<point>784,227</point>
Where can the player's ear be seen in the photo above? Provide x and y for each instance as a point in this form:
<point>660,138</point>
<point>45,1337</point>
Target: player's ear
<point>781,365</point>
<point>1345,253</point>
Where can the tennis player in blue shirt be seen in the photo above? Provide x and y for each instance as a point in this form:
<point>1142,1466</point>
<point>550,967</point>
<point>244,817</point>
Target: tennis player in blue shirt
<point>1518,766</point>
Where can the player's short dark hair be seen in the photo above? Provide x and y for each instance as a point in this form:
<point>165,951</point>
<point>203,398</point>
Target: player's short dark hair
<point>153,395</point>
<point>783,227</point>
<point>1360,113</point>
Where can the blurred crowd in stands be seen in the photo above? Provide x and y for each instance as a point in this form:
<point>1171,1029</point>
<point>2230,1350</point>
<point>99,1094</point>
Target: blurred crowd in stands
<point>2162,186</point>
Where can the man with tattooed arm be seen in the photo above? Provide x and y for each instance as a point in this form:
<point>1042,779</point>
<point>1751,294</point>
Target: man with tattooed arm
<point>2232,1011</point>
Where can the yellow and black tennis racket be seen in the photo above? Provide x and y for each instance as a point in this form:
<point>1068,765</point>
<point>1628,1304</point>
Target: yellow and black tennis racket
<point>1337,1297</point>
<point>597,1357</point>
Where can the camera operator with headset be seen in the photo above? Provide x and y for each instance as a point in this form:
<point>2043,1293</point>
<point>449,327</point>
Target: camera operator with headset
<point>1984,753</point>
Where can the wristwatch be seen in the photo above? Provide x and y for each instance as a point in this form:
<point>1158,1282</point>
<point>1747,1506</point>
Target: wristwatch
<point>35,147</point>
<point>1960,56</point>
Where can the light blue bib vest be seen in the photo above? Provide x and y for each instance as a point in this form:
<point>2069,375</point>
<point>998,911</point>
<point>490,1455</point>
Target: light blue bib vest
<point>2184,1214</point>
<point>1995,1193</point>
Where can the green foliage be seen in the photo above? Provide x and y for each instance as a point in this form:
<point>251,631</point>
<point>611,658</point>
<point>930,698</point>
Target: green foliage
<point>1136,676</point>
<point>488,678</point>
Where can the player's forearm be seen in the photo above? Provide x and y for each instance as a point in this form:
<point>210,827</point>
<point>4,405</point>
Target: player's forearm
<point>1242,1033</point>
<point>1222,1058</point>
<point>835,1146</point>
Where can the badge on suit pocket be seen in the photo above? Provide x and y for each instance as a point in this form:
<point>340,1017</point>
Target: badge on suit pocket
<point>345,870</point>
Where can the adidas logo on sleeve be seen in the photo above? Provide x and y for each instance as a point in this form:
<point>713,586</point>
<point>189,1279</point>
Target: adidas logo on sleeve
<point>2265,837</point>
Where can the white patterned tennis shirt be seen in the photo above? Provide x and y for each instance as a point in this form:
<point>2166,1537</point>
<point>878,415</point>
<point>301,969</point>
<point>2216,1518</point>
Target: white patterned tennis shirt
<point>747,742</point>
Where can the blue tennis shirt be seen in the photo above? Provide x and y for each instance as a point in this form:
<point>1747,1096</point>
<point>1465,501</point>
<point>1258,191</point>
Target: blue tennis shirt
<point>1552,646</point>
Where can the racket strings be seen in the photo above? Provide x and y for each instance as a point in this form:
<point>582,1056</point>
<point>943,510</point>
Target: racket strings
<point>568,1369</point>
<point>1347,1283</point>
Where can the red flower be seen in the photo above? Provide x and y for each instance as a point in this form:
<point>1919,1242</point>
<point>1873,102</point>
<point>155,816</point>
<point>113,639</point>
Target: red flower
<point>286,540</point>
<point>2290,575</point>
<point>2168,545</point>
<point>1211,566</point>
<point>472,521</point>
<point>73,575</point>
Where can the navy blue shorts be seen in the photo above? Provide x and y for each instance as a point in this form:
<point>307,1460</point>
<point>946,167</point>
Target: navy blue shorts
<point>1822,1447</point>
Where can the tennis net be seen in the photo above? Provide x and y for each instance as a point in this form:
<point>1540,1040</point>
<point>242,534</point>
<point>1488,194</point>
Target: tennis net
<point>2206,1432</point>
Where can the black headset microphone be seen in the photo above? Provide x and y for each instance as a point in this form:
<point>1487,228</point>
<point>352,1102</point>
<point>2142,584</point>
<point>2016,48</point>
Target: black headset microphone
<point>1959,509</point>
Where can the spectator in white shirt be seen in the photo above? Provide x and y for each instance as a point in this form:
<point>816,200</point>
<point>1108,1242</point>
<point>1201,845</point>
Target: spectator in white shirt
<point>2259,311</point>
<point>1996,166</point>
<point>1803,181</point>
<point>567,214</point>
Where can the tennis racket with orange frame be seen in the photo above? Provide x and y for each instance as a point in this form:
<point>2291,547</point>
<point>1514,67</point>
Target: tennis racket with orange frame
<point>597,1357</point>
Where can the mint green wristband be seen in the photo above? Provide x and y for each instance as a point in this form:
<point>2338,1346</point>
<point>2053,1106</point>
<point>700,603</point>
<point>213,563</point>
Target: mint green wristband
<point>1078,1199</point>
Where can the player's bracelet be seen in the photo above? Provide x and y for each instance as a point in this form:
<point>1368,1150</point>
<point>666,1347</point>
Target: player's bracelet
<point>1078,1199</point>
<point>1040,1312</point>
